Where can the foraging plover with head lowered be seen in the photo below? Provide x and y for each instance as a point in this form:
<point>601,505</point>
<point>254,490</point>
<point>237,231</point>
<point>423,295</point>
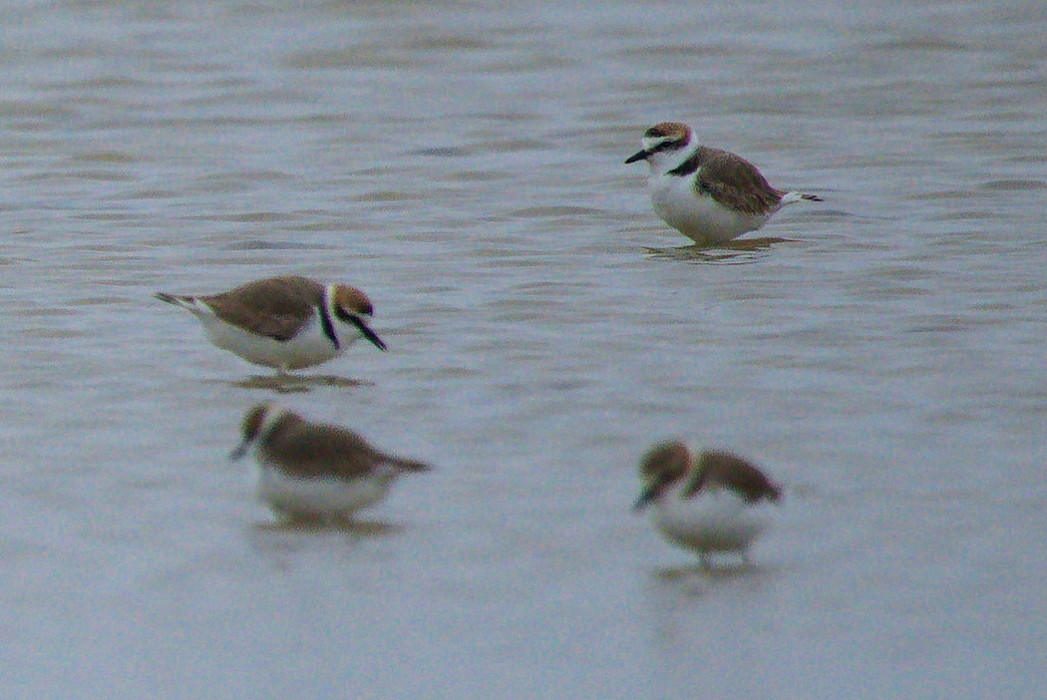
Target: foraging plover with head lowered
<point>285,323</point>
<point>707,194</point>
<point>315,471</point>
<point>709,502</point>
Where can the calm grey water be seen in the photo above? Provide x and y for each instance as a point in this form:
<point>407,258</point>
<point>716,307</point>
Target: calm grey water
<point>462,163</point>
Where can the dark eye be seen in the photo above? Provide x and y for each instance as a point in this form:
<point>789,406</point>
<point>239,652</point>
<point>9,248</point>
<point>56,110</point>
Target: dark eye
<point>653,133</point>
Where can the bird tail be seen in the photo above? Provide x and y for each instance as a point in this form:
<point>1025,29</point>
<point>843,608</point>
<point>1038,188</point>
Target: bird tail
<point>408,465</point>
<point>792,197</point>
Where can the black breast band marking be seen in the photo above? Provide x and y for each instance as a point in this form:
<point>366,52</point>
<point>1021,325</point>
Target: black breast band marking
<point>325,322</point>
<point>688,166</point>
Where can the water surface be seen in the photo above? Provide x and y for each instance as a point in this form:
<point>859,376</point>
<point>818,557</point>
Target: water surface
<point>462,163</point>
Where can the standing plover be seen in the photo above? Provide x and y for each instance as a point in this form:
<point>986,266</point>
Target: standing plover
<point>707,194</point>
<point>283,322</point>
<point>315,471</point>
<point>709,502</point>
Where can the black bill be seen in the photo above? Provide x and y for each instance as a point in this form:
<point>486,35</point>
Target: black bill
<point>639,155</point>
<point>366,331</point>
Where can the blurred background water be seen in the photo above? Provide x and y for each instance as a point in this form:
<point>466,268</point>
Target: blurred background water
<point>462,163</point>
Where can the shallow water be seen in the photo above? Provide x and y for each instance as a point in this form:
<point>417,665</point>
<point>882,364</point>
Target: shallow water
<point>462,163</point>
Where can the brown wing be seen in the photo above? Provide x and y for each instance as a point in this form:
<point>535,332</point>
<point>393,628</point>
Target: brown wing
<point>310,451</point>
<point>735,182</point>
<point>272,307</point>
<point>733,472</point>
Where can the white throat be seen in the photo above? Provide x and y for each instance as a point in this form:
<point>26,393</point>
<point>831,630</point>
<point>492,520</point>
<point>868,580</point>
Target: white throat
<point>662,162</point>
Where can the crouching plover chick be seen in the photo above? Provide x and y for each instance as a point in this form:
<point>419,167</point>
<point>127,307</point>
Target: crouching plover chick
<point>709,502</point>
<point>283,322</point>
<point>709,195</point>
<point>314,471</point>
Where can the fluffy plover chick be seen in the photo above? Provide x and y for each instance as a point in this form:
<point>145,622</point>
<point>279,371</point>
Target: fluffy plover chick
<point>709,502</point>
<point>285,323</point>
<point>709,195</point>
<point>314,471</point>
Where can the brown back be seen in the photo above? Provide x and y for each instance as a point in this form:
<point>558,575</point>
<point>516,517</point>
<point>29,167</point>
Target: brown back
<point>312,450</point>
<point>726,470</point>
<point>276,307</point>
<point>735,182</point>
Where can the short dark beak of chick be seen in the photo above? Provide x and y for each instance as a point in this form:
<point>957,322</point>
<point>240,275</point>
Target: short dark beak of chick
<point>639,155</point>
<point>646,497</point>
<point>366,331</point>
<point>239,452</point>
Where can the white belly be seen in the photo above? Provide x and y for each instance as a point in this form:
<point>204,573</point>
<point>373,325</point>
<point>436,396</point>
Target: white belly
<point>698,216</point>
<point>309,347</point>
<point>319,497</point>
<point>714,521</point>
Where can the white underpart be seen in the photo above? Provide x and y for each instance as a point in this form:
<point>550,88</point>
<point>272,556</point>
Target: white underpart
<point>698,216</point>
<point>715,520</point>
<point>309,347</point>
<point>319,497</point>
